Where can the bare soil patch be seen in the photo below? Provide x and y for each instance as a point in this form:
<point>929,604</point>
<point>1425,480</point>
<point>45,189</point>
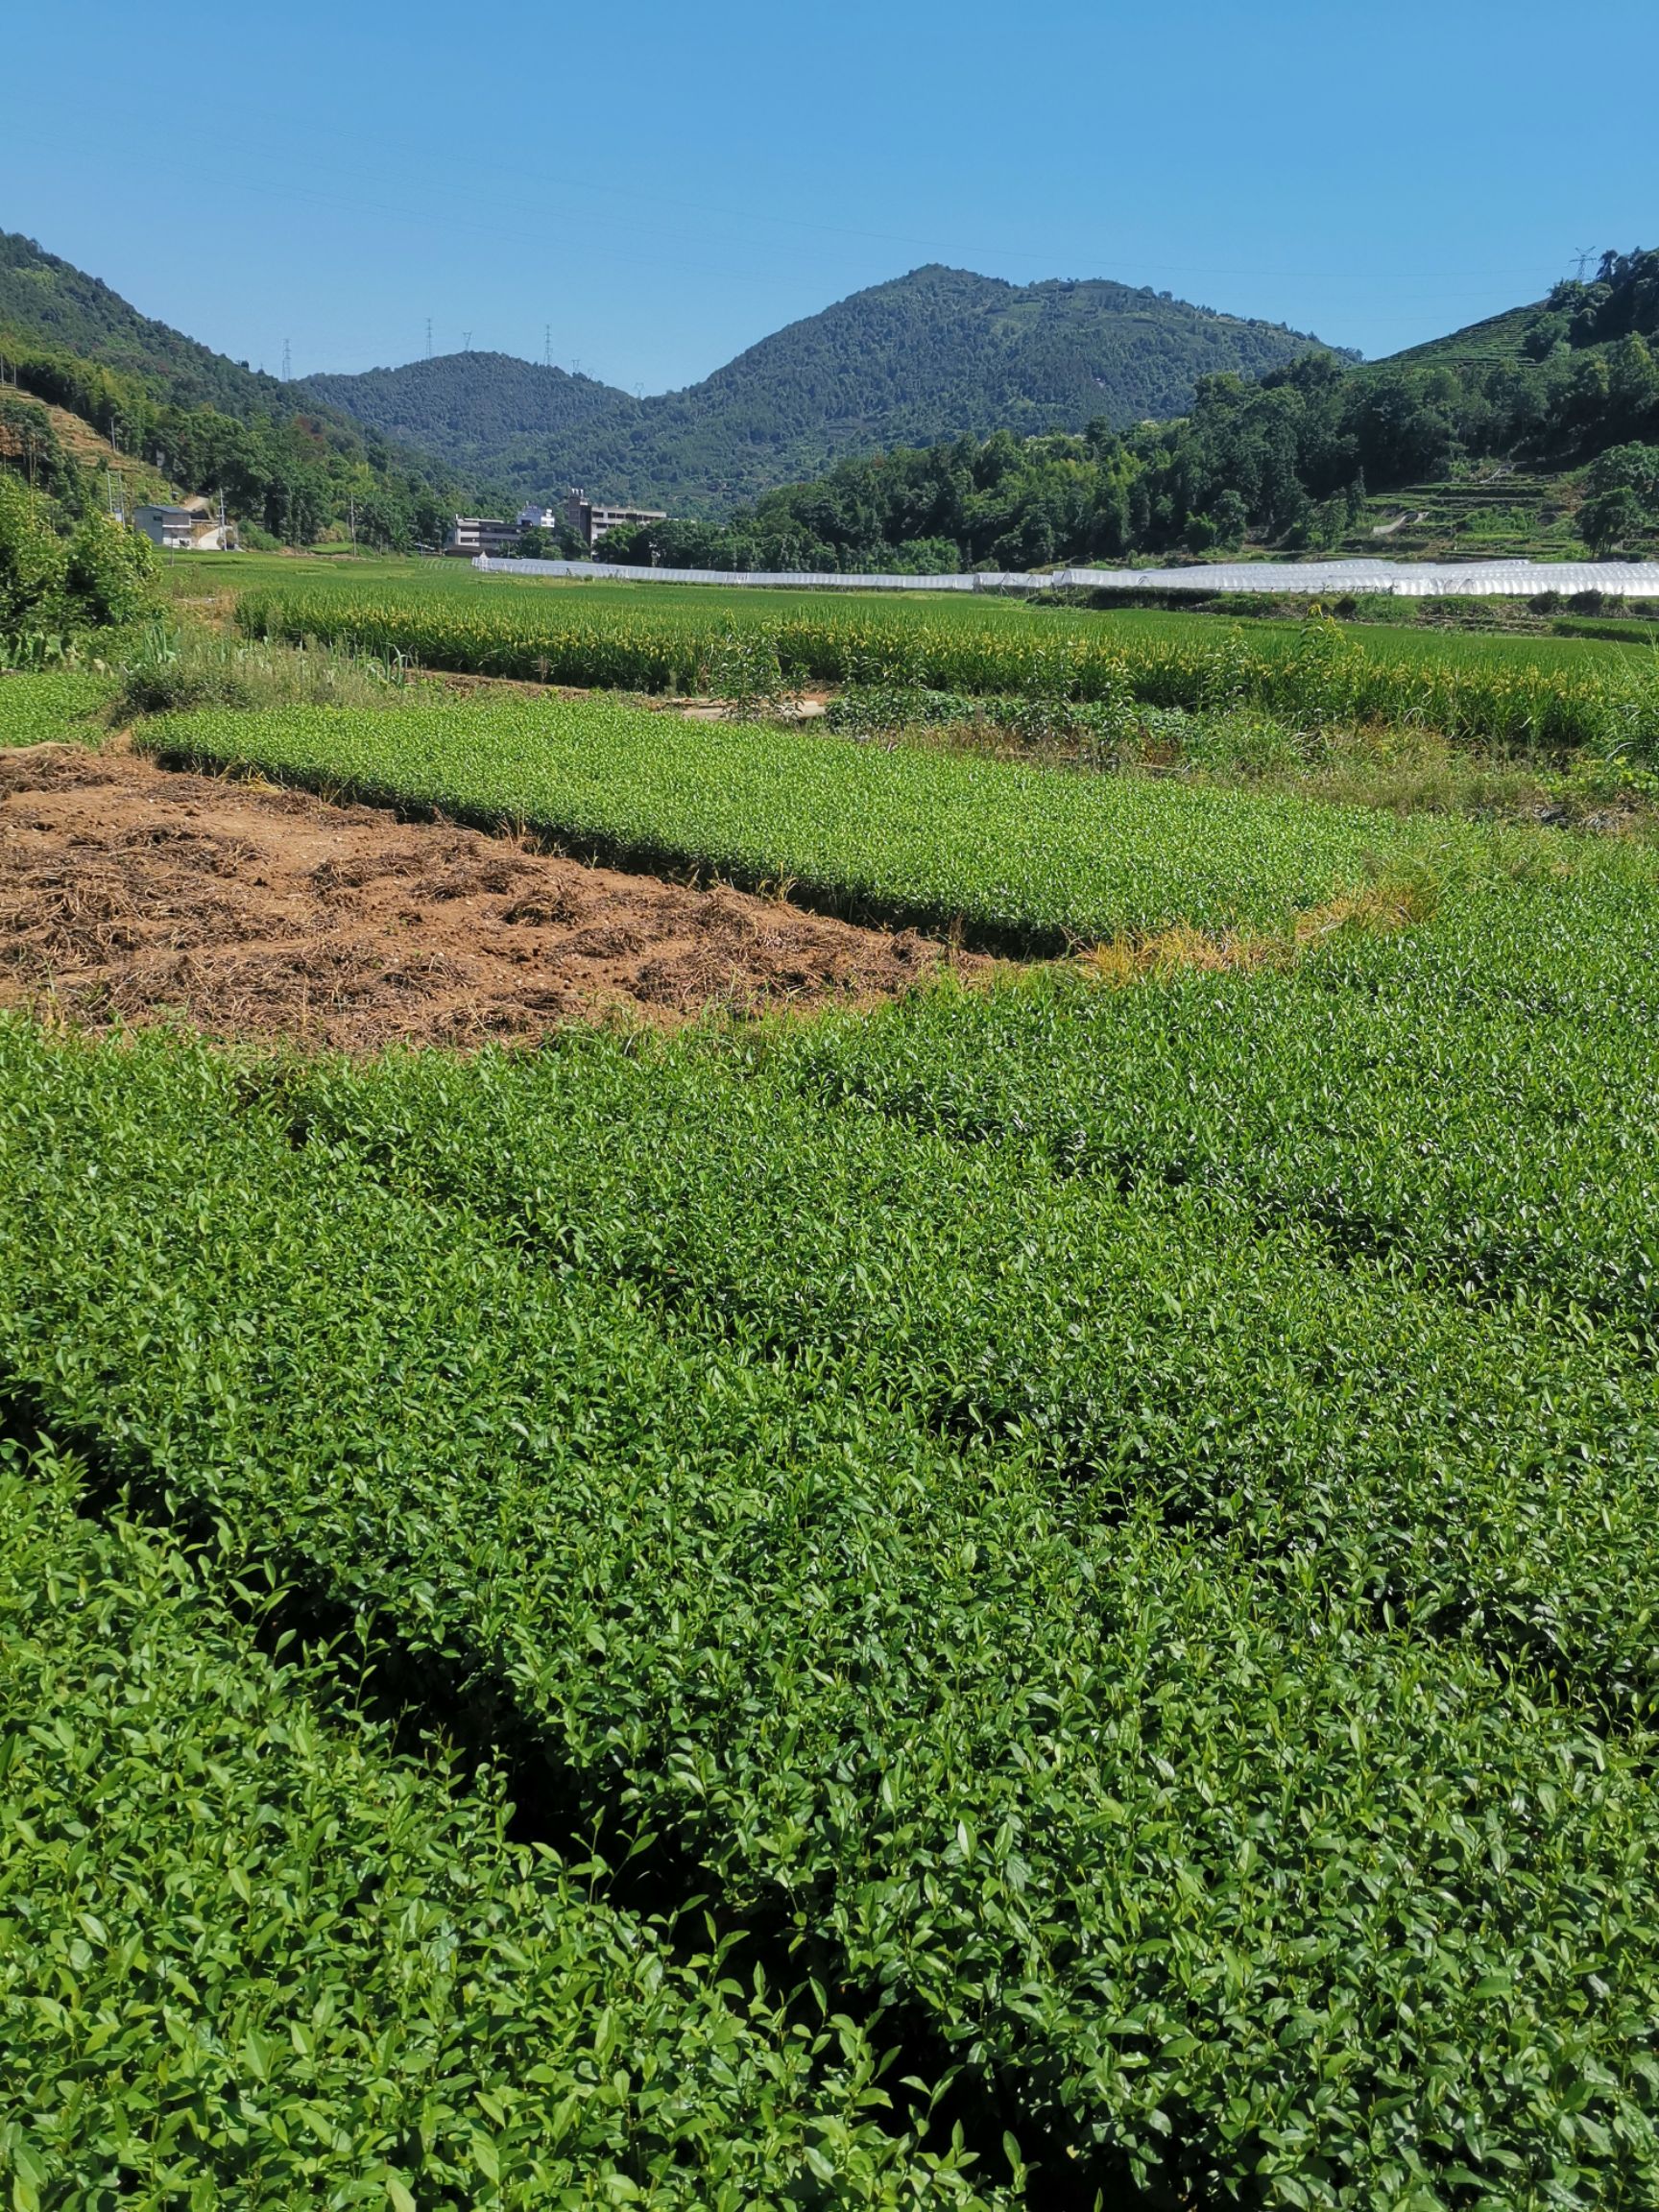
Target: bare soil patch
<point>130,892</point>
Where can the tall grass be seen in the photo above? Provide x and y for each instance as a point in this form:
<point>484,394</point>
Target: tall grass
<point>175,670</point>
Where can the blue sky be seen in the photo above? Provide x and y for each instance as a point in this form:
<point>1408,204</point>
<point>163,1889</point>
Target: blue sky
<point>649,188</point>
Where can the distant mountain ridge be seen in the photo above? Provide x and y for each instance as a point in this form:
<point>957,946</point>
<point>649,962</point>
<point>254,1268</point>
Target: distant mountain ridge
<point>925,357</point>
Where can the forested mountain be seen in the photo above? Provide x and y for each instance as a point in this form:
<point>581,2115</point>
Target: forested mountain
<point>470,409</point>
<point>287,463</point>
<point>1564,394</point>
<point>932,355</point>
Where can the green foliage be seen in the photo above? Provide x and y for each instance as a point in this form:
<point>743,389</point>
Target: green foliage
<point>1537,696</point>
<point>1287,459</point>
<point>927,356</point>
<point>111,573</point>
<point>252,1955</point>
<point>1623,507</point>
<point>177,670</point>
<point>1008,854</point>
<point>741,669</point>
<point>30,442</point>
<point>103,575</point>
<point>1122,1517</point>
<point>53,706</point>
<point>33,562</point>
<point>285,463</point>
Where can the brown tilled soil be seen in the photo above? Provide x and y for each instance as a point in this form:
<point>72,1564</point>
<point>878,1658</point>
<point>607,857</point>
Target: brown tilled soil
<point>129,893</point>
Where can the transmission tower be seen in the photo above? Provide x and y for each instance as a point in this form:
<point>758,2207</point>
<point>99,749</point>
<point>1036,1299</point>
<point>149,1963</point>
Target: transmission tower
<point>547,346</point>
<point>287,362</point>
<point>1586,254</point>
<point>428,337</point>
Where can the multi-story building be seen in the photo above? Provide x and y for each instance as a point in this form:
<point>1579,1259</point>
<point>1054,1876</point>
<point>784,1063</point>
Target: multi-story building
<point>474,533</point>
<point>591,521</point>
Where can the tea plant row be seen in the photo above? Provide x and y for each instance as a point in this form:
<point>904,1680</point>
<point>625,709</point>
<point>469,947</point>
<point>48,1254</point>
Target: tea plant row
<point>1016,855</point>
<point>252,1954</point>
<point>1097,1627</point>
<point>1380,1169</point>
<point>38,709</point>
<point>1542,698</point>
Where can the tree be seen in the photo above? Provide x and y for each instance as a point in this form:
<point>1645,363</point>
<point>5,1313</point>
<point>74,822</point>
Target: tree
<point>1623,498</point>
<point>111,573</point>
<point>1611,519</point>
<point>103,574</point>
<point>1231,519</point>
<point>31,561</point>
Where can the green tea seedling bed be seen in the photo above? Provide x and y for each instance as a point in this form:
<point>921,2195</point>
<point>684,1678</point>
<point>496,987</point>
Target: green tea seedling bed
<point>1024,857</point>
<point>51,708</point>
<point>1133,1802</point>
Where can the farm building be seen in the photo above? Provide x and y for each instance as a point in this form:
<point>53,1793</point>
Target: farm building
<point>192,527</point>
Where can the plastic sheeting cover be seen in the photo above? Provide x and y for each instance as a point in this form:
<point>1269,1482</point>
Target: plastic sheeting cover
<point>1399,579</point>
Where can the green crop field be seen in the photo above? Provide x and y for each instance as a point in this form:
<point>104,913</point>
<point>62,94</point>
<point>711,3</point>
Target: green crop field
<point>52,707</point>
<point>1061,1573</point>
<point>1118,1522</point>
<point>247,1946</point>
<point>1543,696</point>
<point>1012,855</point>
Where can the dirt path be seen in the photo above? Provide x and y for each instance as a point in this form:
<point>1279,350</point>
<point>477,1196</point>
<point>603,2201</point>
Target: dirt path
<point>129,893</point>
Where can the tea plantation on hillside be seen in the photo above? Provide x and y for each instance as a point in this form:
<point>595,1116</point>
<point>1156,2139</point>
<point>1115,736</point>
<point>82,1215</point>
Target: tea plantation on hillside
<point>1062,1571</point>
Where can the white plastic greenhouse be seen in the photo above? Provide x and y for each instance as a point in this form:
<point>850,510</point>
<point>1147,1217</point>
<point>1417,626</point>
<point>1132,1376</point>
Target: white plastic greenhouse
<point>1401,579</point>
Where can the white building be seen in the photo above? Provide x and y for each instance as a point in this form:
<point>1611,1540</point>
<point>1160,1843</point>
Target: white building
<point>474,533</point>
<point>191,528</point>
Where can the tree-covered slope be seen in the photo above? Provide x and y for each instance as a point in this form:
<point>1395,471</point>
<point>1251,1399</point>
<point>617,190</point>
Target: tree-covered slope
<point>1533,432</point>
<point>46,298</point>
<point>929,356</point>
<point>286,462</point>
<point>470,408</point>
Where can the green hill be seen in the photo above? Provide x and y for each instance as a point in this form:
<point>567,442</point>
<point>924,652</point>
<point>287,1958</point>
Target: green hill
<point>288,463</point>
<point>1532,432</point>
<point>473,408</point>
<point>52,301</point>
<point>928,356</point>
<point>1498,342</point>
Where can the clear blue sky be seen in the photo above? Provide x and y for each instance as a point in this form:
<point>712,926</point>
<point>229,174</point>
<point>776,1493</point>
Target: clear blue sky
<point>662,184</point>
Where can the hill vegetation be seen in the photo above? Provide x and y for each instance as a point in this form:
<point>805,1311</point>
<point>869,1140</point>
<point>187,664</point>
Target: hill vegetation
<point>291,468</point>
<point>1544,419</point>
<point>931,355</point>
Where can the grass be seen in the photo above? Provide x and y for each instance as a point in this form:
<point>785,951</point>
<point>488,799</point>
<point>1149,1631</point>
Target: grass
<point>194,667</point>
